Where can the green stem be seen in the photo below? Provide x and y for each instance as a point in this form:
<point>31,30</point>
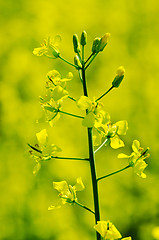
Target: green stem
<point>81,205</point>
<point>68,62</point>
<point>83,55</point>
<point>92,163</point>
<point>108,175</point>
<point>79,57</point>
<point>72,98</point>
<point>89,57</point>
<point>70,158</point>
<point>91,60</point>
<point>70,114</point>
<point>79,72</point>
<point>105,93</point>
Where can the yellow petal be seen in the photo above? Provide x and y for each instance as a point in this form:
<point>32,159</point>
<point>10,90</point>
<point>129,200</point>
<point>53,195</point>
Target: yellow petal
<point>84,103</point>
<point>79,186</point>
<point>59,93</point>
<point>42,137</point>
<point>61,187</point>
<point>122,127</point>
<point>116,142</point>
<point>136,146</point>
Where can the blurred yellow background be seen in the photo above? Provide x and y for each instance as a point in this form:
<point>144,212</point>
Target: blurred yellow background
<point>130,202</point>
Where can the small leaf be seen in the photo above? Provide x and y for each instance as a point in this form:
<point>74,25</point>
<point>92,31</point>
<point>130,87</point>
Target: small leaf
<point>42,137</point>
<point>89,120</point>
<point>116,142</point>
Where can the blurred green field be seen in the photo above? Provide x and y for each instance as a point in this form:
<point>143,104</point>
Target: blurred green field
<point>130,202</point>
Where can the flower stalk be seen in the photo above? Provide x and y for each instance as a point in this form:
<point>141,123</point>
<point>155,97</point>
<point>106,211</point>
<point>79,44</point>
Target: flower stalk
<point>92,161</point>
<point>110,174</point>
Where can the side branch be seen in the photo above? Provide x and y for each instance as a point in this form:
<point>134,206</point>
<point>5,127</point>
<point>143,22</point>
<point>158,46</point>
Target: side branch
<point>73,65</point>
<point>81,205</point>
<point>70,158</point>
<point>91,60</point>
<point>104,93</point>
<point>70,114</point>
<point>108,175</point>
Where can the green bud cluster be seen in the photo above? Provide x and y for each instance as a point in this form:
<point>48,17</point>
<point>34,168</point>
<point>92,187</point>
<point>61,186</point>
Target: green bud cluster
<point>100,43</point>
<point>76,44</point>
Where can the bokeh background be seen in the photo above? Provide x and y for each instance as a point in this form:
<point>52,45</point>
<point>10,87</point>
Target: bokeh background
<point>130,202</point>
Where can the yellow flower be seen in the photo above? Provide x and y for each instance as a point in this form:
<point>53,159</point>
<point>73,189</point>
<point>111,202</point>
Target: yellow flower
<point>107,230</point>
<point>67,193</point>
<point>95,113</point>
<point>112,133</point>
<point>48,48</point>
<point>136,158</point>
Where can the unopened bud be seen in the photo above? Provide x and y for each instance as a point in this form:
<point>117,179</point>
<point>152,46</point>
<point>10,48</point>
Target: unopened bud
<point>120,71</point>
<point>55,52</point>
<point>77,62</point>
<point>76,44</point>
<point>103,42</point>
<point>119,77</point>
<point>83,38</point>
<point>95,45</point>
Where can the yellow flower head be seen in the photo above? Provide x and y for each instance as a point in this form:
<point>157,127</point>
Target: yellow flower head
<point>107,230</point>
<point>48,48</point>
<point>136,158</point>
<point>67,193</point>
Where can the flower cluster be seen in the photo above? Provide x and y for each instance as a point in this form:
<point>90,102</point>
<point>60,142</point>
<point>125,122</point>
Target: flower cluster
<point>42,151</point>
<point>136,158</point>
<point>94,111</point>
<point>56,93</point>
<point>110,132</point>
<point>67,193</point>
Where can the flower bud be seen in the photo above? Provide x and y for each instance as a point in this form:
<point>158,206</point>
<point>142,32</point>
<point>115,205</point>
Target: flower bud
<point>76,44</point>
<point>77,62</point>
<point>120,71</point>
<point>103,42</point>
<point>95,45</point>
<point>83,38</point>
<point>55,52</point>
<point>119,77</point>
